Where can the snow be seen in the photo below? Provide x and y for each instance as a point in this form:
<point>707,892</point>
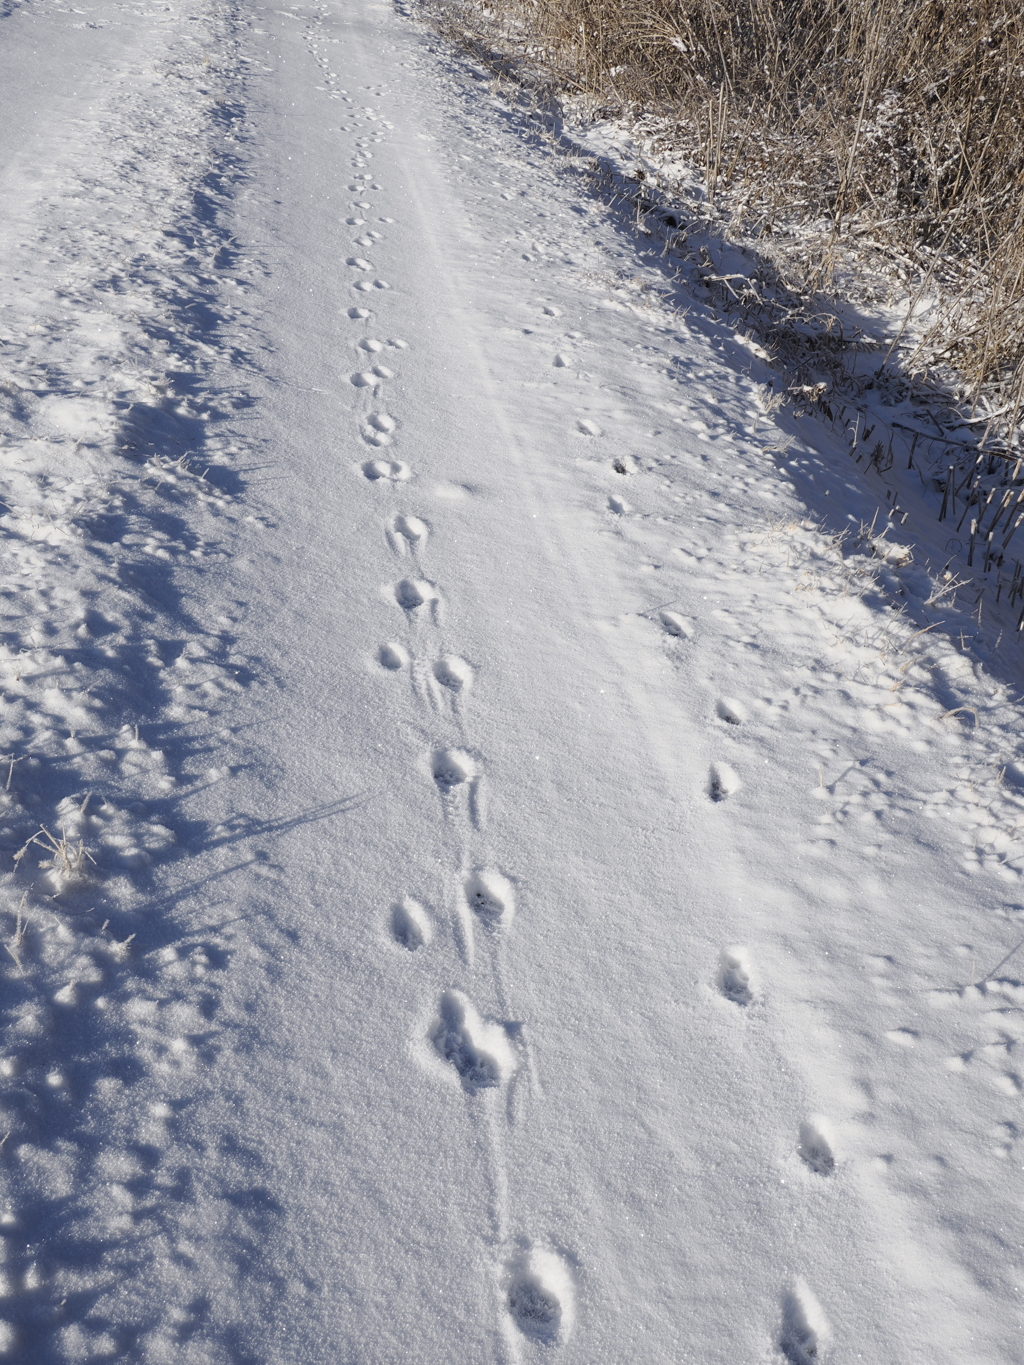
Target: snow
<point>532,867</point>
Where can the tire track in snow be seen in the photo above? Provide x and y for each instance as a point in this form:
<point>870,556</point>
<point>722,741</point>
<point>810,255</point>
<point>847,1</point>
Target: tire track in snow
<point>118,328</point>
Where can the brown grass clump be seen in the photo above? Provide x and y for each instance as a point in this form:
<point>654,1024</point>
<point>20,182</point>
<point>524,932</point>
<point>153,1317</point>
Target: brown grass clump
<point>894,126</point>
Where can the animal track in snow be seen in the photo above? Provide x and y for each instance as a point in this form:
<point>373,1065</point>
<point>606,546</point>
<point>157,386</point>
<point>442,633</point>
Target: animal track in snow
<point>393,470</point>
<point>479,1050</point>
<point>410,924</point>
<point>413,531</point>
<point>370,344</point>
<point>586,427</point>
<point>804,1329</point>
<point>815,1150</point>
<point>452,767</point>
<point>453,492</point>
<point>358,263</point>
<point>370,379</point>
<point>453,672</point>
<point>393,657</point>
<point>730,711</point>
<point>734,976</point>
<point>491,898</point>
<point>676,625</point>
<point>619,506</point>
<point>903,1037</point>
<point>411,593</point>
<point>722,782</point>
<point>539,1294</point>
<point>357,313</point>
<point>364,285</point>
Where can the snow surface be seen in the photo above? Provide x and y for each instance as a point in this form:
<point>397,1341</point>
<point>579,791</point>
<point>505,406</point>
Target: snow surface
<point>530,873</point>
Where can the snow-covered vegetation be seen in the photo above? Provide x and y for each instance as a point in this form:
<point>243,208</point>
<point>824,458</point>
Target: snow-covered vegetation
<point>859,128</point>
<point>511,793</point>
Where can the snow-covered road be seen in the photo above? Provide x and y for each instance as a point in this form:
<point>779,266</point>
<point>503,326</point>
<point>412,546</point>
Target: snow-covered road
<point>541,887</point>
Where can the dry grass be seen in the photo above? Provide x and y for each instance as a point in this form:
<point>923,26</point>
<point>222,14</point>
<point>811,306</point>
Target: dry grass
<point>886,126</point>
<point>66,863</point>
<point>14,947</point>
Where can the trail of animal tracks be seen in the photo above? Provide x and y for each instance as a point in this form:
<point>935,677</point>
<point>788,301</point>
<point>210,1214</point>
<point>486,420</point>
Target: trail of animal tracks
<point>527,873</point>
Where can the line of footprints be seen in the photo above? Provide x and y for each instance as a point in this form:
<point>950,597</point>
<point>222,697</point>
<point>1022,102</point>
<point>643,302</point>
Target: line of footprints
<point>803,1332</point>
<point>734,971</point>
<point>481,1055</point>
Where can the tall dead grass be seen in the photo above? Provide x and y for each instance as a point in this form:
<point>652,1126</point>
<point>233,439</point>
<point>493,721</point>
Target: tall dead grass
<point>895,125</point>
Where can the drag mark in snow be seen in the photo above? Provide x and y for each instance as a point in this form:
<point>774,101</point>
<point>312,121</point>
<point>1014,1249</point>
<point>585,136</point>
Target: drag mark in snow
<point>479,1050</point>
<point>734,976</point>
<point>722,782</point>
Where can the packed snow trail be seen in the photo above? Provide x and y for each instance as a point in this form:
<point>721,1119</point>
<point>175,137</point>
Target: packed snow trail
<point>547,902</point>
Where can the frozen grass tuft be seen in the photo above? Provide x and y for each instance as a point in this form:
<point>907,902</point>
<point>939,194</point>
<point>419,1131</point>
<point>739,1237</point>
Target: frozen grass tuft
<point>67,863</point>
